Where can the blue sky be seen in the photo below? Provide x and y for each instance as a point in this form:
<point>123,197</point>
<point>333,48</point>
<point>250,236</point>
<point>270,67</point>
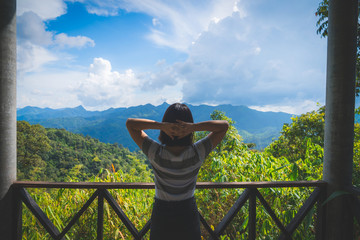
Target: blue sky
<point>112,53</point>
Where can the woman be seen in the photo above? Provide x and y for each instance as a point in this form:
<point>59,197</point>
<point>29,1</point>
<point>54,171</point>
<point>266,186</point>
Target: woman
<point>176,163</point>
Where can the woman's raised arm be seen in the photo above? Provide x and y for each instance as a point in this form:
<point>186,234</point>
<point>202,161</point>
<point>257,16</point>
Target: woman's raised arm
<point>217,129</point>
<point>136,126</point>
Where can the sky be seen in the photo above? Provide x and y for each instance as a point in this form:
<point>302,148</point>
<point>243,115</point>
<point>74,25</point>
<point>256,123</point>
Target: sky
<point>103,54</point>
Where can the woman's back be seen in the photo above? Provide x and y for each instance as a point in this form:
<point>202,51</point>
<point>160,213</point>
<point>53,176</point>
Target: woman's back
<point>176,173</point>
<point>176,150</point>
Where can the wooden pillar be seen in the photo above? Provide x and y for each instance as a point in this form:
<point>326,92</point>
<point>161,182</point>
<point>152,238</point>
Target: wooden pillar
<point>339,115</point>
<point>7,116</point>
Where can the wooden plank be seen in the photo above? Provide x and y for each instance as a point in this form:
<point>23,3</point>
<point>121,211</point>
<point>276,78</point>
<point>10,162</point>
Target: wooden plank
<point>78,215</point>
<point>129,225</point>
<point>272,214</point>
<point>208,228</point>
<point>143,185</point>
<point>252,215</point>
<point>232,212</point>
<point>277,184</point>
<point>85,185</point>
<point>305,208</point>
<point>100,217</point>
<point>39,214</point>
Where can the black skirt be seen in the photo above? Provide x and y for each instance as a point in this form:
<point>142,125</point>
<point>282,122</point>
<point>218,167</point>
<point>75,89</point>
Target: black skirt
<point>175,220</point>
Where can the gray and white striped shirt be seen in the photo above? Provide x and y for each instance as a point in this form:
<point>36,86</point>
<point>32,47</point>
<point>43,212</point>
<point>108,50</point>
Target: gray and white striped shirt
<point>175,175</point>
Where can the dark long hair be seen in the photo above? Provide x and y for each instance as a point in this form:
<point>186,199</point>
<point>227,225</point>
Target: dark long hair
<point>177,111</point>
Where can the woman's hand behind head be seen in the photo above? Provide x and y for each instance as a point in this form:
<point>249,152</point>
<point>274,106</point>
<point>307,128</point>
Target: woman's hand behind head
<point>170,129</point>
<point>184,128</point>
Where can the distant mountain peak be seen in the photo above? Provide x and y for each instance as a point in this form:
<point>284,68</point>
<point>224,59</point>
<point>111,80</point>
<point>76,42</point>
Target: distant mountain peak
<point>80,107</point>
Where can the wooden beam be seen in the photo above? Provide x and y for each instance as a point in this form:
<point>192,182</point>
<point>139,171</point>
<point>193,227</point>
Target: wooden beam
<point>147,185</point>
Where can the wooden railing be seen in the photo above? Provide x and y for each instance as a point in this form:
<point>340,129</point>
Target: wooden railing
<point>250,193</point>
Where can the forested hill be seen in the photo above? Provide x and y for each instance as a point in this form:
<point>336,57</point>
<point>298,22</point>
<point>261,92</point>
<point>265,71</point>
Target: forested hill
<point>109,126</point>
<point>58,155</point>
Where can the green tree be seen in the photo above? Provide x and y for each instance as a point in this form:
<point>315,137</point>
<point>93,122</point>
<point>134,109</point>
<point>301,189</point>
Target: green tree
<point>301,143</point>
<point>232,138</point>
<point>322,24</point>
<point>32,142</point>
<point>304,130</point>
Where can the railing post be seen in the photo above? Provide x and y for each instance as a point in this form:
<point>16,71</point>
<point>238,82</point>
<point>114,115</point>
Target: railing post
<point>7,118</point>
<point>252,215</point>
<point>339,117</point>
<point>18,215</point>
<point>100,216</point>
<point>320,216</point>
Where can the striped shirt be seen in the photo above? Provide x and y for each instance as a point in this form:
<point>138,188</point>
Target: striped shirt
<point>175,175</point>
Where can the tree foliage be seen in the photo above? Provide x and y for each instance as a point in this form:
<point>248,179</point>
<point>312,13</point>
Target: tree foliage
<point>303,141</point>
<point>304,130</point>
<point>233,161</point>
<point>32,143</point>
<point>322,24</point>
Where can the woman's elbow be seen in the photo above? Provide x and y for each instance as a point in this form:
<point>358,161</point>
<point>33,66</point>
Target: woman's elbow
<point>129,123</point>
<point>226,125</point>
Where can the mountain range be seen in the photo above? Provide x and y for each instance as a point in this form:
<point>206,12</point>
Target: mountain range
<point>109,125</point>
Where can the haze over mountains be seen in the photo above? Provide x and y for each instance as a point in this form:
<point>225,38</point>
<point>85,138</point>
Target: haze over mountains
<point>109,126</point>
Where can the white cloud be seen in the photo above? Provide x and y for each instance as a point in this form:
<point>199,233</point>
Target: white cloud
<point>162,76</point>
<point>293,107</point>
<point>155,22</point>
<point>31,57</point>
<point>181,21</point>
<point>36,45</point>
<point>63,40</point>
<point>31,28</point>
<point>97,89</point>
<point>106,88</point>
<point>49,9</point>
<point>185,20</point>
<point>49,89</point>
<point>102,7</point>
<point>247,61</point>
